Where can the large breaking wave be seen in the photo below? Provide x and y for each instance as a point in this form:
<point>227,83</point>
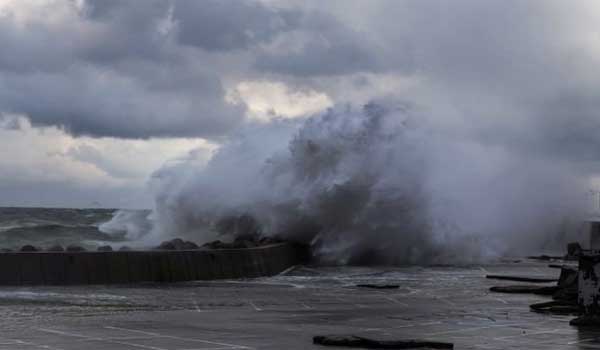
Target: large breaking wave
<point>378,184</point>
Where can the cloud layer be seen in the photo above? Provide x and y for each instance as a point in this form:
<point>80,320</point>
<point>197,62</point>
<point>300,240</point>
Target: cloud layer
<point>514,75</point>
<point>154,69</point>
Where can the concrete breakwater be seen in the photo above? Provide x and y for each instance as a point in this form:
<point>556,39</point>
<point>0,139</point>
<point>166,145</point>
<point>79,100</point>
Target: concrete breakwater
<point>121,267</point>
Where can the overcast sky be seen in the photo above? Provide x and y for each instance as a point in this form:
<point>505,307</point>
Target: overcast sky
<point>95,95</point>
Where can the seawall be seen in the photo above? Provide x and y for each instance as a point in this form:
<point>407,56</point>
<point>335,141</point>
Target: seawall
<point>122,267</point>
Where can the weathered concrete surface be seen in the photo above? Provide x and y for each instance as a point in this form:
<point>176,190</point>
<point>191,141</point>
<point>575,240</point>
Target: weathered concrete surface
<point>122,267</point>
<point>448,304</point>
<point>589,282</point>
<point>568,282</point>
<point>594,232</point>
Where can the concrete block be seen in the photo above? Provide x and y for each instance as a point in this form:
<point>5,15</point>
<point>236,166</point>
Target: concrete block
<point>237,263</point>
<point>267,269</point>
<point>594,230</point>
<point>96,266</point>
<point>260,257</point>
<point>215,265</point>
<point>248,266</point>
<point>54,266</point>
<point>254,265</point>
<point>30,269</point>
<point>225,263</point>
<point>156,267</point>
<point>589,282</point>
<point>118,269</point>
<point>204,265</point>
<point>178,266</point>
<point>160,263</point>
<point>273,257</point>
<point>139,267</point>
<point>9,269</point>
<point>76,268</point>
<point>193,269</point>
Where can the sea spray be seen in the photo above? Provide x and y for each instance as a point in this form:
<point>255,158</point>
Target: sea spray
<point>132,224</point>
<point>378,184</point>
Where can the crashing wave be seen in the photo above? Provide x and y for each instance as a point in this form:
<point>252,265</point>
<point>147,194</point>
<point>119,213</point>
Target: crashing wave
<point>380,184</point>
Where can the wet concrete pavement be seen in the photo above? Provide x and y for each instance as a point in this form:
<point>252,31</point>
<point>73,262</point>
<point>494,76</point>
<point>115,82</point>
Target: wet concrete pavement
<point>448,304</point>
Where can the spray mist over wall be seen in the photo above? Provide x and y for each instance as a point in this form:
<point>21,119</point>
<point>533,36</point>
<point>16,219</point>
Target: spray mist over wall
<point>378,184</point>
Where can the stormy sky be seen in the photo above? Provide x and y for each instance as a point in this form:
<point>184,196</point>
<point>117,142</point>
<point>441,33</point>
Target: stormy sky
<point>95,95</point>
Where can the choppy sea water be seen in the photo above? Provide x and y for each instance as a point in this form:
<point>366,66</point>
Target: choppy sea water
<point>45,227</point>
<point>442,300</point>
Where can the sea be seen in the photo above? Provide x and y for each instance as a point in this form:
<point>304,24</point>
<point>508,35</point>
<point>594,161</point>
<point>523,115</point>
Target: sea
<point>46,227</point>
<point>449,303</point>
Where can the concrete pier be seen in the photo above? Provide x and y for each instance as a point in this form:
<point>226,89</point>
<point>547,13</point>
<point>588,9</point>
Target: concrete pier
<point>589,282</point>
<point>121,267</point>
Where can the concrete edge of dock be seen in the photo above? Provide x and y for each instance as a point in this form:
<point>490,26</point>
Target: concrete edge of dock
<point>124,267</point>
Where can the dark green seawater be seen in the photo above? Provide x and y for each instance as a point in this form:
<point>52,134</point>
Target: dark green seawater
<point>45,227</point>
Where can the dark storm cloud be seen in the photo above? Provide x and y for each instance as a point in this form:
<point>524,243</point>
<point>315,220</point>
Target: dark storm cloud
<point>36,48</point>
<point>222,25</point>
<point>497,44</point>
<point>521,73</point>
<point>519,76</point>
<point>327,48</point>
<point>139,69</point>
<point>89,101</point>
<point>110,72</point>
<point>123,30</point>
